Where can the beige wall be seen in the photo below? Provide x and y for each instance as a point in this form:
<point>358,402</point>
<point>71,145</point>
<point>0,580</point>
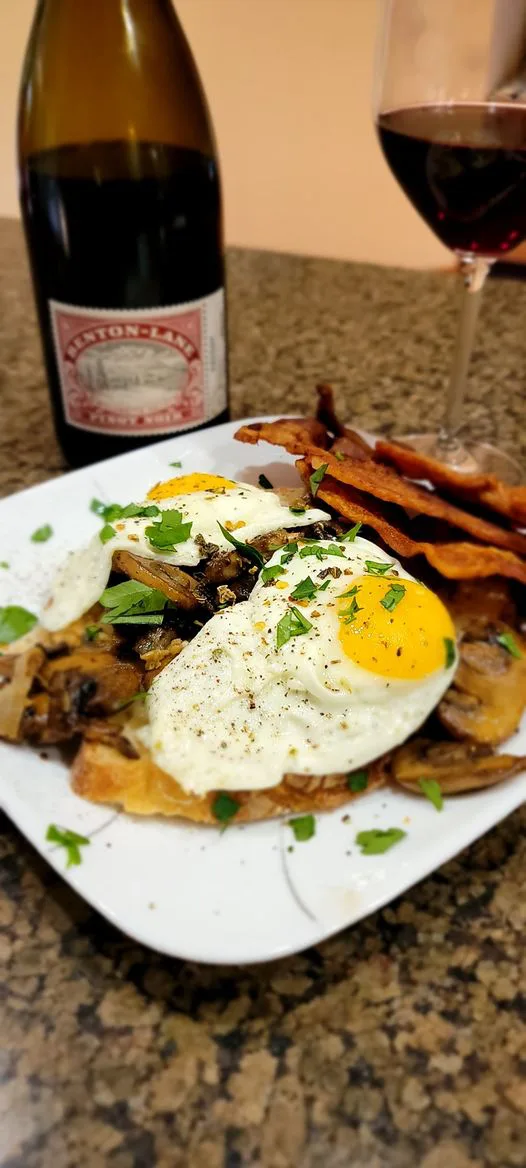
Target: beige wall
<point>289,84</point>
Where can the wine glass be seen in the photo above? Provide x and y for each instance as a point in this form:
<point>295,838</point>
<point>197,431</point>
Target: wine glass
<point>450,110</point>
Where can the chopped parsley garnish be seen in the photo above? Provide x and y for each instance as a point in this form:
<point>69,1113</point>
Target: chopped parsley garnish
<point>42,534</point>
<point>112,511</point>
<point>140,696</point>
<point>177,463</point>
<point>4,564</point>
<point>338,454</point>
<point>265,483</point>
<point>508,642</point>
<point>449,649</point>
<point>293,624</point>
<point>393,597</point>
<point>352,591</point>
<point>316,478</point>
<point>289,553</point>
<point>14,623</point>
<point>375,568</point>
<point>91,632</point>
<point>348,615</point>
<point>132,603</point>
<point>313,549</point>
<point>376,841</point>
<point>357,781</point>
<point>322,587</point>
<point>169,531</point>
<point>305,590</point>
<point>350,536</point>
<point>271,572</point>
<point>304,827</point>
<point>224,807</point>
<point>431,789</point>
<point>246,549</point>
<point>297,510</point>
<point>107,532</point>
<point>70,840</point>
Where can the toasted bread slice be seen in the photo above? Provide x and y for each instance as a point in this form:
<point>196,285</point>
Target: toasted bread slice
<point>103,775</point>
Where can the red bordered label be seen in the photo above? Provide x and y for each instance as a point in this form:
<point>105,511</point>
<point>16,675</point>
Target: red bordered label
<point>149,371</point>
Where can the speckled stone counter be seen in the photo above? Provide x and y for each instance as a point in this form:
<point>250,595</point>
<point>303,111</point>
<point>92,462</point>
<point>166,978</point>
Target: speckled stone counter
<point>398,1043</point>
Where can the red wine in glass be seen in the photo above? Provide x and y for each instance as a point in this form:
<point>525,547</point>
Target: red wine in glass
<point>463,166</point>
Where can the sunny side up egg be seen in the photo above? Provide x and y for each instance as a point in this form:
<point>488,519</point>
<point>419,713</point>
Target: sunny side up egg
<point>338,656</point>
<point>203,500</point>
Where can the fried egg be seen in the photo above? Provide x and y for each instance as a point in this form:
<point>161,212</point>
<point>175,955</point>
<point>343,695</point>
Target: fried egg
<point>338,656</point>
<point>205,501</point>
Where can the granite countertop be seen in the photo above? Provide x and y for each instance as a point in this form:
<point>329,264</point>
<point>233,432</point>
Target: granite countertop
<point>397,1043</point>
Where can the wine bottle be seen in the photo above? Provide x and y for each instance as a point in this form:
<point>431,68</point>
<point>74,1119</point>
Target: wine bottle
<point>121,204</point>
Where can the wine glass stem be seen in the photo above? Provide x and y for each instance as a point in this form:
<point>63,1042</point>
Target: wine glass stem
<point>473,272</point>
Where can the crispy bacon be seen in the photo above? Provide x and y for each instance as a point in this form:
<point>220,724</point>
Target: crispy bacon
<point>484,489</point>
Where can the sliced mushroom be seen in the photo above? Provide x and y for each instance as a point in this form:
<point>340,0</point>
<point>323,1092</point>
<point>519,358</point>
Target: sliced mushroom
<point>157,647</point>
<point>177,585</point>
<point>486,701</point>
<point>456,766</point>
<point>84,684</point>
<point>223,566</point>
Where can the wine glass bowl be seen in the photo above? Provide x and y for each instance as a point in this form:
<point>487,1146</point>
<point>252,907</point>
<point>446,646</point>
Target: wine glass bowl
<point>455,140</point>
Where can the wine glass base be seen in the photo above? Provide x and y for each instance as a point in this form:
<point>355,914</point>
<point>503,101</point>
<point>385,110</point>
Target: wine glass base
<point>466,457</point>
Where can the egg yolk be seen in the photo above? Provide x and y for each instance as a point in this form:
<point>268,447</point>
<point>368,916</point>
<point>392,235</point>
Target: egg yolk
<point>190,484</point>
<point>396,628</point>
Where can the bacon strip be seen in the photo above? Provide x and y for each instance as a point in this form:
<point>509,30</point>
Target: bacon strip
<point>474,488</point>
<point>380,481</point>
<point>457,560</point>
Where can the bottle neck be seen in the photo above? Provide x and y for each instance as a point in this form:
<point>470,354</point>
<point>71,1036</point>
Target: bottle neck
<point>110,70</point>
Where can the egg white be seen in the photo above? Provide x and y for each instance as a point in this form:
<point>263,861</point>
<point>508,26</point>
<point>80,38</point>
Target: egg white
<point>234,712</point>
<point>84,575</point>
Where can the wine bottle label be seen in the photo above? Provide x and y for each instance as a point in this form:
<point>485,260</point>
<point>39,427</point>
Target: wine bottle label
<point>141,371</point>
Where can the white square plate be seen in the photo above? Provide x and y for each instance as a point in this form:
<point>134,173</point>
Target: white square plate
<point>196,893</point>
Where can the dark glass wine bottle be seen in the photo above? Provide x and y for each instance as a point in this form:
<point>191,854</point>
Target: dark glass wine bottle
<point>121,203</point>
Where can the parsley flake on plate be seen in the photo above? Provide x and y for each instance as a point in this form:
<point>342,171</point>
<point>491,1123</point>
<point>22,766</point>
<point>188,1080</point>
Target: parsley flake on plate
<point>313,549</point>
<point>376,568</point>
<point>177,463</point>
<point>507,641</point>
<point>246,549</point>
<point>393,597</point>
<point>293,624</point>
<point>350,536</point>
<point>305,590</point>
<point>224,807</point>
<point>297,510</point>
<point>449,649</point>
<point>357,781</point>
<point>316,478</point>
<point>431,789</point>
<point>70,840</point>
<point>42,534</point>
<point>132,603</point>
<point>303,826</point>
<point>14,623</point>
<point>348,615</point>
<point>112,511</point>
<point>91,632</point>
<point>339,455</point>
<point>168,531</point>
<point>271,572</point>
<point>107,532</point>
<point>376,841</point>
<point>4,564</point>
<point>291,550</point>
